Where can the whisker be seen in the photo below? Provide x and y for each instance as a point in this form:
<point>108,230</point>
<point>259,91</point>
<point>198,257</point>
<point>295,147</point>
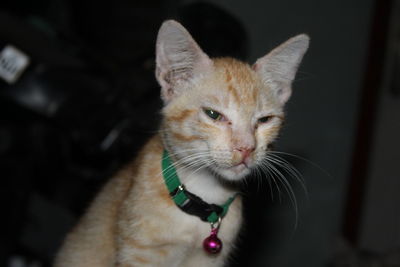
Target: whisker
<point>187,161</point>
<point>266,169</point>
<point>260,175</point>
<point>181,162</point>
<point>305,160</point>
<point>288,188</point>
<point>289,168</point>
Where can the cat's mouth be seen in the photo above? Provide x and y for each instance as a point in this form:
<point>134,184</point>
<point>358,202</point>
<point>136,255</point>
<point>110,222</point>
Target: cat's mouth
<point>234,169</point>
<point>239,167</point>
<point>235,172</point>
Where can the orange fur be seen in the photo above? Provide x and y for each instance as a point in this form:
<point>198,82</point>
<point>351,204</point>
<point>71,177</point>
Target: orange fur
<point>185,138</point>
<point>133,221</point>
<point>141,260</point>
<point>182,116</point>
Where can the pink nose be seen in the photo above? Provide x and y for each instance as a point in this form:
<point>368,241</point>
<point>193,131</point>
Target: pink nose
<point>245,151</point>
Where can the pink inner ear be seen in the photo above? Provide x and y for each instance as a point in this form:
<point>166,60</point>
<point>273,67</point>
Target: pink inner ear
<point>255,67</point>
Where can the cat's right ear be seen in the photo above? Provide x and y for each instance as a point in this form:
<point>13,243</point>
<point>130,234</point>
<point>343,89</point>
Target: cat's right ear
<point>178,59</point>
<point>278,68</point>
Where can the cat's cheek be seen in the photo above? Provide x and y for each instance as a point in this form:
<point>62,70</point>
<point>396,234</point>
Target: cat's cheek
<point>267,135</point>
<point>216,137</point>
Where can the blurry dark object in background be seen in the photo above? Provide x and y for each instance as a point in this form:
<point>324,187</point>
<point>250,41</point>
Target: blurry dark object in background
<point>72,118</point>
<point>395,75</point>
<point>218,32</point>
<point>348,256</point>
<point>121,31</point>
<point>83,106</point>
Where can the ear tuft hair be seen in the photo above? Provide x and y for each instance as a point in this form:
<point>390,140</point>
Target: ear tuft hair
<point>278,68</point>
<point>178,58</point>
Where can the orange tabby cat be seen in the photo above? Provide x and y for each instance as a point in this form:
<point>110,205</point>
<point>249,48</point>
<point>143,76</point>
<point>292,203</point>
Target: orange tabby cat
<point>219,117</point>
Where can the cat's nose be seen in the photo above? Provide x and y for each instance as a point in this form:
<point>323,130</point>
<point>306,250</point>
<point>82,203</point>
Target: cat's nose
<point>245,152</point>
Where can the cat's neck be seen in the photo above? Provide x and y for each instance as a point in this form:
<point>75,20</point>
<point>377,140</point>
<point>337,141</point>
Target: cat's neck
<point>205,185</point>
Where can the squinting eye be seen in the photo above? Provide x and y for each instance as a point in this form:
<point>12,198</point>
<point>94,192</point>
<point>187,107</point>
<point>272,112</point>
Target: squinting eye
<point>264,119</point>
<point>213,114</point>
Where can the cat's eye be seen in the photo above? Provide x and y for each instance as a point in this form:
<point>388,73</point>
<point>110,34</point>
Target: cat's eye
<point>265,119</point>
<point>213,114</point>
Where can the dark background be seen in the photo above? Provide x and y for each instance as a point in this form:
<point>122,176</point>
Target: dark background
<point>89,99</point>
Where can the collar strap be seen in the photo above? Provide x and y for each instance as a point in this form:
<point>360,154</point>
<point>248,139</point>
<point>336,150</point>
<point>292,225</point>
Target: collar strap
<point>187,201</point>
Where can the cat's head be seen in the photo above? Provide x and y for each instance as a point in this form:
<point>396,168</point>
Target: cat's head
<point>222,114</point>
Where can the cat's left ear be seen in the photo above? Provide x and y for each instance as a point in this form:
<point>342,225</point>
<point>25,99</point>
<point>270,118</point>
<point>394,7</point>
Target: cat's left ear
<point>179,59</point>
<point>278,68</point>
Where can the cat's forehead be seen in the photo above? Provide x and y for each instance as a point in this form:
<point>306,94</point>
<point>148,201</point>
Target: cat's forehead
<point>235,83</point>
<point>235,72</point>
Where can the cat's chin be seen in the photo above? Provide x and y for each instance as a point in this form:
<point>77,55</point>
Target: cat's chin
<point>234,173</point>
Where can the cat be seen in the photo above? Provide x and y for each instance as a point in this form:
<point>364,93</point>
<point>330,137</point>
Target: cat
<point>219,118</point>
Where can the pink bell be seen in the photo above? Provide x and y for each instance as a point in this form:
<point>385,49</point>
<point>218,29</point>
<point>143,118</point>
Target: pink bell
<point>212,244</point>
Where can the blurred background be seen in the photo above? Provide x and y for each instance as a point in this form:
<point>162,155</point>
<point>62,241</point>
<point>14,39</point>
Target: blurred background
<point>78,98</point>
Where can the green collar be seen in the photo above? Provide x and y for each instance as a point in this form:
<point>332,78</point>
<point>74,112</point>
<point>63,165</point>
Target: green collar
<point>188,202</point>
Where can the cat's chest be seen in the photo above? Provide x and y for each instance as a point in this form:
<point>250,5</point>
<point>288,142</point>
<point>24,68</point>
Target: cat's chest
<point>157,220</point>
<point>190,229</point>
